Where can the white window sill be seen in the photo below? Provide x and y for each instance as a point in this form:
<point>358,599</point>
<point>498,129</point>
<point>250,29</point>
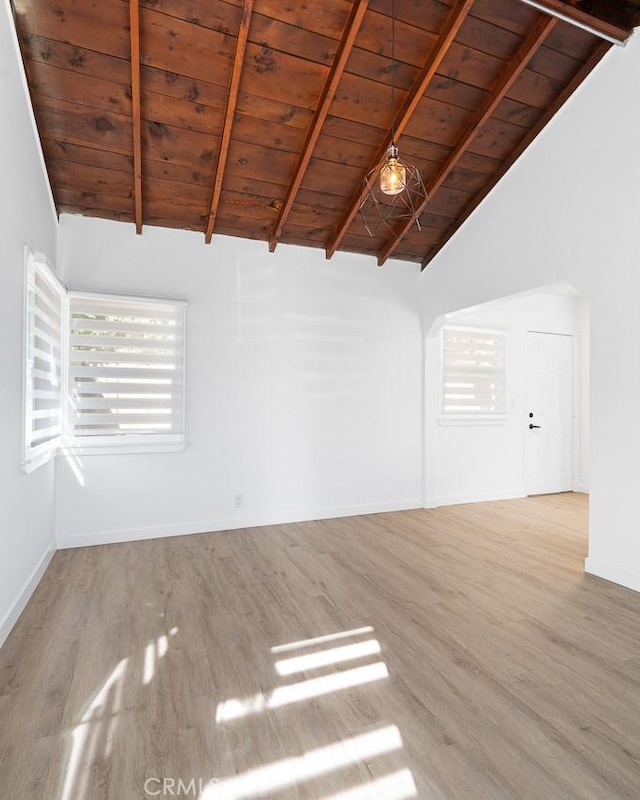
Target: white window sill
<point>464,420</point>
<point>120,448</point>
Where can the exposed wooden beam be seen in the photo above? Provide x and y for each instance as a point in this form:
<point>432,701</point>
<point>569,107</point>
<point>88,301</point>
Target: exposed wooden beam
<point>134,31</point>
<point>514,69</point>
<point>238,62</point>
<point>349,34</point>
<point>455,19</point>
<point>574,15</point>
<point>600,51</point>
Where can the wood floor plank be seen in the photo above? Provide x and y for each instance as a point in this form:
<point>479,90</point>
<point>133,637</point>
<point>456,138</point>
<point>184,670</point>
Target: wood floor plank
<point>452,654</point>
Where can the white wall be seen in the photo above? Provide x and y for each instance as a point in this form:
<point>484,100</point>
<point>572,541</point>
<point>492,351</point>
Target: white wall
<point>569,210</point>
<point>467,462</point>
<point>26,217</point>
<point>304,386</point>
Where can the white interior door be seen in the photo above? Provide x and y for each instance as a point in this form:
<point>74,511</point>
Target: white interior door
<point>549,417</point>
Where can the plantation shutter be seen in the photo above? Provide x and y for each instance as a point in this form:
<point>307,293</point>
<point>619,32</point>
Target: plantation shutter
<point>126,369</point>
<point>44,304</point>
<point>473,372</point>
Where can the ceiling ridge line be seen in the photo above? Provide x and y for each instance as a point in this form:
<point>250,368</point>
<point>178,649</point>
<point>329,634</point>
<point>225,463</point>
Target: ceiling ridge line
<point>515,67</point>
<point>583,20</point>
<point>453,23</point>
<point>234,88</point>
<point>336,72</point>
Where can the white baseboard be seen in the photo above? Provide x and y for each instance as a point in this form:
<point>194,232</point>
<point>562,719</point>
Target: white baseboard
<point>613,573</point>
<point>582,488</point>
<point>11,617</point>
<point>234,523</point>
<point>477,497</point>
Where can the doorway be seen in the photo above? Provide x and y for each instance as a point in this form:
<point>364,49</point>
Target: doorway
<point>549,413</point>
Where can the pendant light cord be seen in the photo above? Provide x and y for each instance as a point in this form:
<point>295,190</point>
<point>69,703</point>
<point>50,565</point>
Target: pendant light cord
<point>393,64</point>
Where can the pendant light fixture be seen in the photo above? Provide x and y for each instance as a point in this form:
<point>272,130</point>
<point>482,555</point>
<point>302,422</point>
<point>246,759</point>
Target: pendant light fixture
<point>393,176</point>
<point>394,189</point>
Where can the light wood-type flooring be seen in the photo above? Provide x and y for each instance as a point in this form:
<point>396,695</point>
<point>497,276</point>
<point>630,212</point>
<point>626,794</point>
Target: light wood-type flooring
<point>459,654</point>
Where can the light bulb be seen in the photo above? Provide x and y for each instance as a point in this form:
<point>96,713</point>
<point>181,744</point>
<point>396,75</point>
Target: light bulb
<point>393,176</point>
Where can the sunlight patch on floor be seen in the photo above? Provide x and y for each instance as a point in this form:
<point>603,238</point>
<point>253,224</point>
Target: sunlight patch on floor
<point>331,637</point>
<point>98,724</point>
<point>326,658</point>
<point>314,763</point>
<point>153,653</point>
<point>149,664</point>
<point>262,781</point>
<point>397,786</point>
<point>236,708</point>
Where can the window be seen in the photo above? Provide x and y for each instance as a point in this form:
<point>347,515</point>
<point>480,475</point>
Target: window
<point>43,320</point>
<point>473,372</point>
<point>123,358</point>
<point>126,373</point>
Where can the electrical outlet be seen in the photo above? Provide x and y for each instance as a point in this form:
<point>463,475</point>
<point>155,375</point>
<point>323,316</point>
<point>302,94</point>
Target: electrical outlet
<point>238,500</point>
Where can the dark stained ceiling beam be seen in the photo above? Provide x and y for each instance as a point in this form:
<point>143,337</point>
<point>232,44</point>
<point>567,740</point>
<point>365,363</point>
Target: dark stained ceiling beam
<point>326,98</point>
<point>514,69</point>
<point>236,73</point>
<point>453,23</point>
<point>600,51</point>
<point>574,15</point>
<point>134,32</point>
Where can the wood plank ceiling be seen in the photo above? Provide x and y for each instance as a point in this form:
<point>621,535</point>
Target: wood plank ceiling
<point>261,119</point>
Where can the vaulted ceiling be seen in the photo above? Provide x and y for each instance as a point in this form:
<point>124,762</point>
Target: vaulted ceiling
<point>261,118</point>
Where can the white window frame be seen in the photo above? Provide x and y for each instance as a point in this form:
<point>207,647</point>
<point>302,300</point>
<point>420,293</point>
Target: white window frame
<point>460,416</point>
<point>36,266</point>
<point>122,442</point>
